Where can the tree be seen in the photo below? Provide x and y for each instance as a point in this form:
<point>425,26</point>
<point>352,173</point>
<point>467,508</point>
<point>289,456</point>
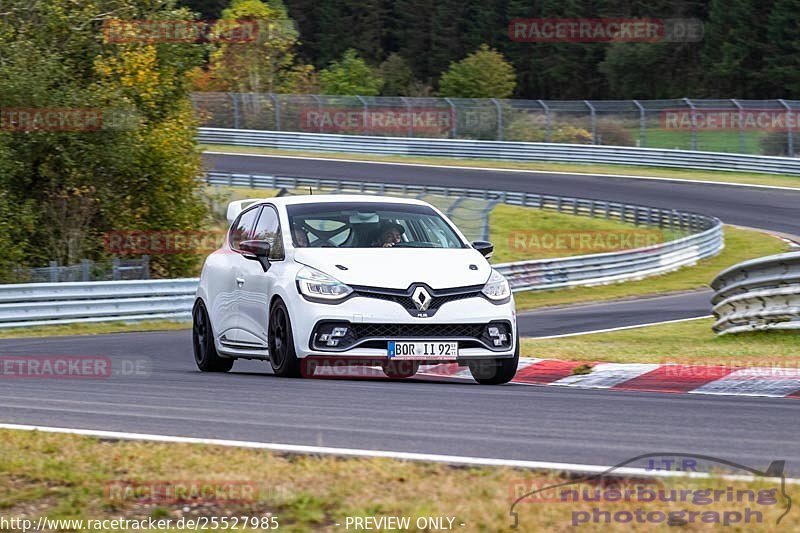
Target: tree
<point>350,75</point>
<point>266,64</point>
<point>482,74</point>
<point>734,47</point>
<point>783,49</point>
<point>137,170</point>
<point>398,80</point>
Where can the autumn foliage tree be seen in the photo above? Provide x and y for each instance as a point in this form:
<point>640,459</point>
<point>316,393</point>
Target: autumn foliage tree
<point>62,188</point>
<point>268,62</point>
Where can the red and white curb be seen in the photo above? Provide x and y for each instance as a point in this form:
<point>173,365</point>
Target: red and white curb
<point>771,382</point>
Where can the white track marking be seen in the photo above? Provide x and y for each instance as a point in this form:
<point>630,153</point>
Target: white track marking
<point>621,328</point>
<point>403,456</point>
<point>606,375</point>
<point>770,382</point>
<point>529,171</point>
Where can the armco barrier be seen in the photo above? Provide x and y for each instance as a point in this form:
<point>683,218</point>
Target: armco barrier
<point>35,304</point>
<point>501,150</point>
<point>705,239</point>
<point>61,303</point>
<point>760,294</point>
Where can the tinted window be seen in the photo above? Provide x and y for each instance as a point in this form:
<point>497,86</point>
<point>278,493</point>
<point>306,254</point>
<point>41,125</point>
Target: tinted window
<point>243,227</point>
<point>268,229</point>
<point>370,225</point>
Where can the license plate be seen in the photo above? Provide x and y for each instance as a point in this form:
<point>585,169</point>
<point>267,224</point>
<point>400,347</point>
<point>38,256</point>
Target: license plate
<point>438,350</point>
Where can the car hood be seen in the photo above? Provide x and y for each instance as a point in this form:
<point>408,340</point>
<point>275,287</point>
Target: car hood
<point>397,268</point>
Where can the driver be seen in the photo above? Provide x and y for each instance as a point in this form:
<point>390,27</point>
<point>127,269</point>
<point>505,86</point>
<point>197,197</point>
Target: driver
<point>391,234</point>
<point>300,237</point>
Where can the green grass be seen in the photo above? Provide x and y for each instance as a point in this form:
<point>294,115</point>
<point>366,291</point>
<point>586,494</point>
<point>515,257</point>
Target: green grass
<point>751,178</point>
<point>708,141</point>
<point>93,328</point>
<point>520,233</point>
<point>667,343</point>
<point>740,245</point>
<point>65,476</point>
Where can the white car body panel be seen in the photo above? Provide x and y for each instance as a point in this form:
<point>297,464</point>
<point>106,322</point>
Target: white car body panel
<point>238,293</point>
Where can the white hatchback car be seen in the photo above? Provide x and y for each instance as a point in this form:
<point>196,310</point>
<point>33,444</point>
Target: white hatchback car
<point>355,279</point>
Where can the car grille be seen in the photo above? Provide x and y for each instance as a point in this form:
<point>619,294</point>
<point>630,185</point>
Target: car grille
<point>403,297</point>
<point>361,330</point>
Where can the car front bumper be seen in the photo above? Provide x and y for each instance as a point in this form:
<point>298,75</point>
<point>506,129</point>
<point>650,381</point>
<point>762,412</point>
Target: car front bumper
<point>368,314</point>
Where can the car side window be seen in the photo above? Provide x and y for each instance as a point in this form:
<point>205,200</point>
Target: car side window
<point>243,227</point>
<point>268,228</point>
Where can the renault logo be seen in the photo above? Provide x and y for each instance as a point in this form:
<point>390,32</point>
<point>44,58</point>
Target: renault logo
<point>421,298</point>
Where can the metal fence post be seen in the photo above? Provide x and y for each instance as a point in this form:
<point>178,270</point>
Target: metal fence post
<point>411,121</point>
<point>594,121</point>
<point>365,114</point>
<point>454,118</point>
<point>319,110</point>
<point>145,267</point>
<point>789,132</point>
<point>693,115</point>
<point>642,124</point>
<point>741,124</point>
<point>115,269</point>
<point>235,110</point>
<point>499,119</point>
<point>53,271</point>
<point>277,104</point>
<point>86,269</point>
<point>546,120</point>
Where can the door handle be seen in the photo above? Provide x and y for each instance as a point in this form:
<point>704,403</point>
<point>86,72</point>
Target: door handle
<point>239,281</point>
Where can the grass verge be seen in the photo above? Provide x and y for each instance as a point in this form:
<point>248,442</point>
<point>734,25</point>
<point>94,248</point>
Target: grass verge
<point>740,245</point>
<point>520,233</point>
<point>748,178</point>
<point>93,328</point>
<point>72,477</point>
<point>667,343</point>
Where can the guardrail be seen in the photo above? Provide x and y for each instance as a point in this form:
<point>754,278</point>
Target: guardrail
<point>761,294</point>
<point>61,303</point>
<point>705,239</point>
<point>501,150</point>
<point>36,304</point>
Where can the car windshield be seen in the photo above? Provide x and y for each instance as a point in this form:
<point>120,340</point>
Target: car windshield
<point>369,225</point>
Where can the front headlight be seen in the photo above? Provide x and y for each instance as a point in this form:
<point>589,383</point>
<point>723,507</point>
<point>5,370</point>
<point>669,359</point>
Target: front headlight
<point>497,287</point>
<point>315,284</point>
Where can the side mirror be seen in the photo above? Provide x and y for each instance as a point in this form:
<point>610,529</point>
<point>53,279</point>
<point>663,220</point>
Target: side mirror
<point>484,247</point>
<point>257,251</point>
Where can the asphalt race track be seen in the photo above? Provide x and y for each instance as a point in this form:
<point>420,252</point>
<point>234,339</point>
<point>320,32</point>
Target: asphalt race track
<point>769,209</point>
<point>170,397</point>
<point>514,421</point>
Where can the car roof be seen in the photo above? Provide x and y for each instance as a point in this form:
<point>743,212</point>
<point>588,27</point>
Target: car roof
<point>337,198</point>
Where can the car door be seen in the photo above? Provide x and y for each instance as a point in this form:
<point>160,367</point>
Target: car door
<point>230,297</point>
<point>257,289</point>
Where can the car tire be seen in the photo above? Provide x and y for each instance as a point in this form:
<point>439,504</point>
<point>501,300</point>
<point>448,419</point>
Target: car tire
<point>495,371</point>
<point>205,353</point>
<point>282,355</point>
<point>400,369</point>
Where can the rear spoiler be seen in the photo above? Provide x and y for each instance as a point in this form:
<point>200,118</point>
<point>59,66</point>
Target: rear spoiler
<point>234,208</point>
